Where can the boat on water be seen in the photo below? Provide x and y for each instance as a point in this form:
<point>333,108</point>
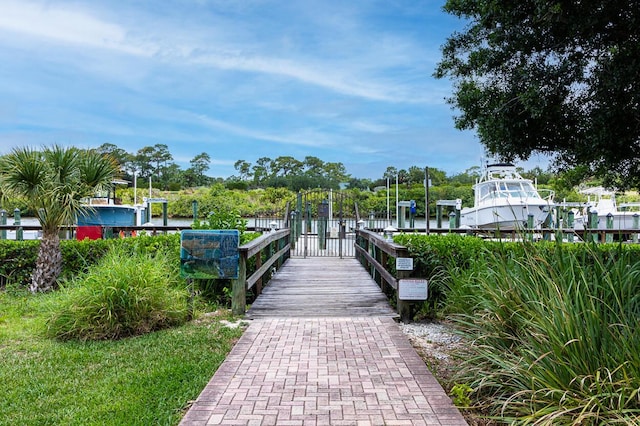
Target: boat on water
<point>105,213</point>
<point>605,205</point>
<point>503,200</point>
<point>105,210</point>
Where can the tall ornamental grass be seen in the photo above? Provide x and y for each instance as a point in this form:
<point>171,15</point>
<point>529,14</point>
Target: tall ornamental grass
<point>555,335</point>
<point>126,293</point>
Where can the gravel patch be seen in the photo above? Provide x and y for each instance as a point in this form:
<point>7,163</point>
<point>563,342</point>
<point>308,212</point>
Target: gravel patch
<point>434,338</point>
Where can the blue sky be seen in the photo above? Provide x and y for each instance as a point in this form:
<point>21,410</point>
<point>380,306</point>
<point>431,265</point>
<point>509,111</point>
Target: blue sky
<point>344,81</point>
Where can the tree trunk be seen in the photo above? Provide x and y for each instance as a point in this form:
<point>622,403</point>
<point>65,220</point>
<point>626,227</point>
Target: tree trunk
<point>48,264</point>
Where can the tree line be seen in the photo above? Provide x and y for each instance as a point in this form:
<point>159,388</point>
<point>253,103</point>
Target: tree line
<point>156,162</point>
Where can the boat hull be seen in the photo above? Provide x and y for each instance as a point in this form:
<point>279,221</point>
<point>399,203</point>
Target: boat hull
<point>504,217</point>
<point>109,215</point>
<point>620,220</point>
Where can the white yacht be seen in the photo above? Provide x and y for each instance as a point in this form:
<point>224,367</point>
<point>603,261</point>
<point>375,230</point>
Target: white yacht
<point>604,203</point>
<point>504,200</point>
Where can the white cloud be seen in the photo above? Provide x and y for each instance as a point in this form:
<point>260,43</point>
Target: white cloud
<point>302,139</point>
<point>337,80</point>
<point>60,24</point>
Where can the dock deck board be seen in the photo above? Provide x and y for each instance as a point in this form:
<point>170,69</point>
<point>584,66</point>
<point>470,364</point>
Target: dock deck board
<point>321,287</point>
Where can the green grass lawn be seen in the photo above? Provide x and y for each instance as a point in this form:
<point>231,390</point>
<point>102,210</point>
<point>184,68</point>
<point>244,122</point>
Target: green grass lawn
<point>146,380</point>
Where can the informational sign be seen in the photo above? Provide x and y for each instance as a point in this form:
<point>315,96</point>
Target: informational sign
<point>404,263</point>
<point>209,254</point>
<point>412,289</point>
<point>333,232</point>
<point>323,209</point>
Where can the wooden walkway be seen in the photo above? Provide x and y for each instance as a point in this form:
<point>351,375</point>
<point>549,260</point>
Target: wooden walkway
<point>322,348</point>
<point>321,287</point>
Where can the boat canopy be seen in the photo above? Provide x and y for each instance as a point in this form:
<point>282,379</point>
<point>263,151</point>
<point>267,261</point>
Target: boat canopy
<point>506,189</point>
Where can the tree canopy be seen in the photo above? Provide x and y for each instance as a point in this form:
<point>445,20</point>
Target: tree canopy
<point>54,182</point>
<point>556,77</point>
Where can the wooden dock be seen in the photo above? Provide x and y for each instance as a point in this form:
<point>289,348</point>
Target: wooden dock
<point>322,348</point>
<point>321,287</point>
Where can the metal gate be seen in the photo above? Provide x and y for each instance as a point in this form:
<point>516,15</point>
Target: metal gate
<point>323,224</point>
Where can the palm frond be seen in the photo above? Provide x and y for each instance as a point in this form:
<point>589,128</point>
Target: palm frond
<point>24,172</point>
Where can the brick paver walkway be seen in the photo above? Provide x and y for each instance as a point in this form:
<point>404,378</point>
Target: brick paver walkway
<point>323,371</point>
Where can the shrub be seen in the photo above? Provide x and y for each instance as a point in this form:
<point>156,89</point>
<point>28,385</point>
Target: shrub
<point>17,258</point>
<point>126,293</point>
<point>433,255</point>
<point>222,218</point>
<point>554,331</point>
<point>436,255</point>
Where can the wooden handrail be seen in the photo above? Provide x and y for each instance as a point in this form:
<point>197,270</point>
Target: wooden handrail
<point>277,248</point>
<point>389,247</point>
<point>376,255</point>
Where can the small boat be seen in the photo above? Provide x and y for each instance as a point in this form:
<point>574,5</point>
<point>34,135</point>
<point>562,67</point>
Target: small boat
<point>105,210</point>
<point>503,200</point>
<point>606,207</point>
<point>105,213</point>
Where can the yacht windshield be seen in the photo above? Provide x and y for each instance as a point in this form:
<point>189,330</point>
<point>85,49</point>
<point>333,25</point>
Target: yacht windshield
<point>508,189</point>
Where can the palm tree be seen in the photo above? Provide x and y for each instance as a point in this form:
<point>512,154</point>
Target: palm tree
<point>54,181</point>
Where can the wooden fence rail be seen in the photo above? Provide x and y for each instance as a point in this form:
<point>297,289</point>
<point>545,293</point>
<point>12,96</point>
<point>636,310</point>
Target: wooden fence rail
<point>269,251</point>
<point>374,252</point>
<point>590,235</point>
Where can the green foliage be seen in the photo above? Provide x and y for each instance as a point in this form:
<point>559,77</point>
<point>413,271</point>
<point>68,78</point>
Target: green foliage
<point>126,293</point>
<point>460,394</point>
<point>17,260</point>
<point>552,328</point>
<point>432,256</point>
<point>54,182</point>
<point>435,255</point>
<point>554,331</point>
<point>275,199</point>
<point>553,77</point>
<point>78,256</point>
<point>18,257</point>
<point>138,381</point>
<point>222,218</point>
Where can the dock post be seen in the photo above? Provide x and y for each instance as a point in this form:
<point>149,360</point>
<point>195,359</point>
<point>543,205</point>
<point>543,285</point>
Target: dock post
<point>324,213</point>
<point>3,221</point>
<point>452,221</point>
<point>194,206</point>
<point>530,227</point>
<point>593,226</point>
<point>608,236</point>
<point>299,215</point>
<point>239,288</point>
<point>16,221</point>
<point>165,217</point>
<point>570,219</point>
<point>293,227</point>
<point>636,225</point>
<point>405,307</point>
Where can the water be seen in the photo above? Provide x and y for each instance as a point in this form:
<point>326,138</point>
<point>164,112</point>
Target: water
<point>263,223</point>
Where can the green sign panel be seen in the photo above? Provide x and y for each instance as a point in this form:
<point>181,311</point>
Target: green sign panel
<point>209,254</point>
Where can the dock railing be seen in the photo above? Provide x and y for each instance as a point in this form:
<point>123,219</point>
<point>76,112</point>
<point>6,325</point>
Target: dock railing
<point>374,253</point>
<point>269,251</point>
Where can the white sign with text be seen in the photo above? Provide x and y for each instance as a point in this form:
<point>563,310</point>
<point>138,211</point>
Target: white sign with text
<point>412,289</point>
<point>404,263</point>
